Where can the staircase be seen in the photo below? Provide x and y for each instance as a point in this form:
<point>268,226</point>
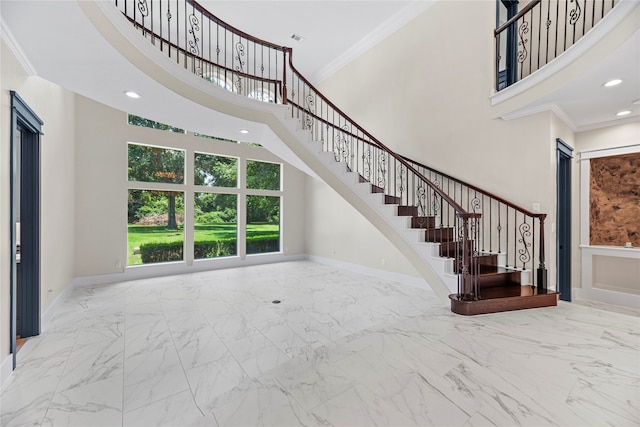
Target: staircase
<point>471,246</point>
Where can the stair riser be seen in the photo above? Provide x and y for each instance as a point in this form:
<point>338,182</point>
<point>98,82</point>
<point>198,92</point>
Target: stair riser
<point>391,200</point>
<point>439,235</point>
<point>499,279</point>
<point>487,263</point>
<point>450,249</point>
<point>423,222</point>
<point>408,211</point>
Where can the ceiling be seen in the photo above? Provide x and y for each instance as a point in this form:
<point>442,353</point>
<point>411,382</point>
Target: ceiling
<point>334,33</point>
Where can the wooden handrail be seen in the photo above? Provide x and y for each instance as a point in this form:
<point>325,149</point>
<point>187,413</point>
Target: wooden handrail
<point>517,16</point>
<point>460,211</point>
<point>480,190</point>
<point>231,28</point>
<point>191,55</point>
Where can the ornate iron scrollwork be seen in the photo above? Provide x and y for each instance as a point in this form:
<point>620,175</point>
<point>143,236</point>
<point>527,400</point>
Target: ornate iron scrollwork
<point>382,169</point>
<point>341,145</point>
<point>475,204</point>
<point>401,175</point>
<point>240,54</point>
<point>194,25</point>
<point>524,253</point>
<point>522,31</point>
<point>143,8</point>
<point>310,103</point>
<point>366,164</point>
<point>434,203</point>
<point>421,196</point>
<point>574,14</point>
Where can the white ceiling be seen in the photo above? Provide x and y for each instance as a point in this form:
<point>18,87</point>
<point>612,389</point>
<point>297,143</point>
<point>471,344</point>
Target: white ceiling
<point>334,31</point>
<point>74,55</point>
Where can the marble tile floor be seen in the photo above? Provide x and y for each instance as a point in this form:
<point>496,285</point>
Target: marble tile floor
<point>341,349</point>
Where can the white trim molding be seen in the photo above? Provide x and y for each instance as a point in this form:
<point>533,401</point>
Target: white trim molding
<point>15,48</point>
<point>405,279</point>
<point>5,370</point>
<point>380,33</point>
<point>606,152</point>
<point>588,292</point>
<point>175,268</point>
<point>587,252</point>
<point>535,109</point>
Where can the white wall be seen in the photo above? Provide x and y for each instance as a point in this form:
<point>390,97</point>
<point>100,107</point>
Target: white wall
<point>609,137</point>
<point>424,92</point>
<point>337,231</point>
<point>56,107</point>
<point>101,187</point>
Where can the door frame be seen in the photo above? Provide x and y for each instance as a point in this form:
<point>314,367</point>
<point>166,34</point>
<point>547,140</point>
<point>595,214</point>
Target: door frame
<point>563,219</point>
<point>25,121</point>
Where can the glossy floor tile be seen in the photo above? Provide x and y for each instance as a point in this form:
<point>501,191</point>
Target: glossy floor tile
<point>341,349</point>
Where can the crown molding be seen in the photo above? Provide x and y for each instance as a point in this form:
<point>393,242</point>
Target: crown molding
<point>381,32</point>
<point>15,48</point>
<point>609,123</point>
<point>552,107</point>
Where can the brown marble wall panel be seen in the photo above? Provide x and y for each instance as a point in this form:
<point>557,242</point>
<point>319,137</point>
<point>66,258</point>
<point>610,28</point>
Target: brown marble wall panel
<point>614,195</point>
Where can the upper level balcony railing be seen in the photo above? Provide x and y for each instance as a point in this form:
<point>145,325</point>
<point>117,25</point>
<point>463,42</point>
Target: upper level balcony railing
<point>540,32</point>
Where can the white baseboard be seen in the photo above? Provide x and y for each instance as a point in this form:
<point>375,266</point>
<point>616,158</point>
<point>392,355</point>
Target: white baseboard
<point>370,271</point>
<point>608,297</point>
<point>6,370</point>
<point>165,269</point>
<point>53,307</point>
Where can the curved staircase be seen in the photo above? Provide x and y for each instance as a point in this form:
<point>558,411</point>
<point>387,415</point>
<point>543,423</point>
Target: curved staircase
<point>474,248</point>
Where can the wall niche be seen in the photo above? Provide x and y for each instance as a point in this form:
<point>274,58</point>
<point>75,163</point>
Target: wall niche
<point>614,199</point>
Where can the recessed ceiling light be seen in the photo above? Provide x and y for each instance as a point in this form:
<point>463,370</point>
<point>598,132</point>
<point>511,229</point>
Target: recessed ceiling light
<point>612,83</point>
<point>244,131</point>
<point>623,113</point>
<point>132,94</point>
<point>297,37</point>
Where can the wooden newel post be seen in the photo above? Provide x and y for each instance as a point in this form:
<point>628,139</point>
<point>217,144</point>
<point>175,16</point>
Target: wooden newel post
<point>542,270</point>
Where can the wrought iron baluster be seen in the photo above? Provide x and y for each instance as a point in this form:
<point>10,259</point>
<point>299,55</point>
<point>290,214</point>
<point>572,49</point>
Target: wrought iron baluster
<point>539,36</point>
<point>548,24</point>
<point>533,250</point>
<point>524,255</point>
<point>490,226</point>
<point>566,14</point>
<point>400,177</point>
<point>515,238</point>
<point>523,53</point>
<point>499,228</point>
